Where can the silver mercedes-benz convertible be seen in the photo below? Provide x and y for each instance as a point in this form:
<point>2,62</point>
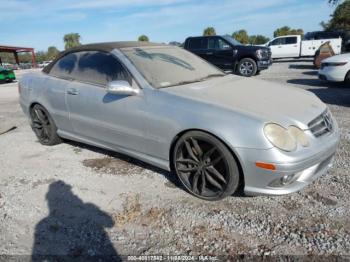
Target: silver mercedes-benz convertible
<point>163,105</point>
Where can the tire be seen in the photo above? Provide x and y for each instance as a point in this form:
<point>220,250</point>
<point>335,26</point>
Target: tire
<point>347,79</point>
<point>205,166</point>
<point>44,126</point>
<point>247,67</point>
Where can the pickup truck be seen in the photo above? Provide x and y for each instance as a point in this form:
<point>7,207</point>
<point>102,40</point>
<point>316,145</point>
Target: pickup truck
<point>292,46</point>
<point>229,54</point>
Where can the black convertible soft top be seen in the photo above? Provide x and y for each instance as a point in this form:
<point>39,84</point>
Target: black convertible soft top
<point>105,47</point>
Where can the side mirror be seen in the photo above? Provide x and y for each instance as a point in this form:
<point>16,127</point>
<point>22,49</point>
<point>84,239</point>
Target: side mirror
<point>121,87</point>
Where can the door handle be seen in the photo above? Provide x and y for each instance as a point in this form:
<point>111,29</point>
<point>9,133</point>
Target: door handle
<point>209,53</point>
<point>72,91</point>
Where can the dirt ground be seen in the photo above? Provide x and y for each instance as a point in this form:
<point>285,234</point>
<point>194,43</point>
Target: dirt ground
<point>79,200</point>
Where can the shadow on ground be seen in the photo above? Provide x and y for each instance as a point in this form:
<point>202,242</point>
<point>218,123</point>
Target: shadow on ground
<point>291,60</point>
<point>72,229</point>
<point>170,176</point>
<point>301,66</point>
<point>328,92</point>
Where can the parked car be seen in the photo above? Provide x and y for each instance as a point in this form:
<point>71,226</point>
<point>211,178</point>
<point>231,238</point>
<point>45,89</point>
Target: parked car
<point>165,106</point>
<point>228,54</point>
<point>336,69</point>
<point>43,64</point>
<point>6,75</point>
<point>291,46</point>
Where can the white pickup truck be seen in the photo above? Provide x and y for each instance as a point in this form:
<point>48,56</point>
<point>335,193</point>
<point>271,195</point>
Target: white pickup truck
<point>292,46</point>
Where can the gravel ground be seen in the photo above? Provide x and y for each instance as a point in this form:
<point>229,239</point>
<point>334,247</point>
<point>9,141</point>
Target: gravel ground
<point>76,199</point>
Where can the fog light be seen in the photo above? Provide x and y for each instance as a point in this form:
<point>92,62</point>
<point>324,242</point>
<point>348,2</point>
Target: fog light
<point>286,179</point>
<point>283,181</point>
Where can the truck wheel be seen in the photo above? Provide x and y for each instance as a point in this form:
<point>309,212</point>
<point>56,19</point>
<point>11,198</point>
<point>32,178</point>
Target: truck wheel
<point>247,67</point>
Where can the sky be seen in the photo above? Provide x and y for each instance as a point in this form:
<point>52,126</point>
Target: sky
<point>43,23</point>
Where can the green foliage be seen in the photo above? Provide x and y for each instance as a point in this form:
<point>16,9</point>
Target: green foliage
<point>241,36</point>
<point>52,53</point>
<point>258,39</point>
<point>209,31</point>
<point>340,18</point>
<point>286,30</point>
<point>71,40</point>
<point>143,38</point>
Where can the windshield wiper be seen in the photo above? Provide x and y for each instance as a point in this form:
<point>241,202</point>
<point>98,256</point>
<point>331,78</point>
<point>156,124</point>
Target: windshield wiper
<point>182,83</point>
<point>210,76</point>
<point>194,81</point>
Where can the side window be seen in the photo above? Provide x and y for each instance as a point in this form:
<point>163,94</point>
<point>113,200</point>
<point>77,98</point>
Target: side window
<point>99,68</point>
<point>197,43</point>
<point>218,44</point>
<point>291,40</point>
<point>65,66</point>
<point>278,41</point>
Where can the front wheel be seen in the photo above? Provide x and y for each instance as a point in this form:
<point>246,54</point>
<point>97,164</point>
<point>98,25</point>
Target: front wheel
<point>44,126</point>
<point>205,166</point>
<point>247,67</point>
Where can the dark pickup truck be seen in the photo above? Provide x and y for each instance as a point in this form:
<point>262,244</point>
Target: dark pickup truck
<point>228,54</point>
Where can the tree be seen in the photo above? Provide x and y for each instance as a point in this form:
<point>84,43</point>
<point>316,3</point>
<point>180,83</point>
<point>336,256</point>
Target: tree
<point>241,36</point>
<point>143,38</point>
<point>286,30</point>
<point>333,2</point>
<point>71,40</point>
<point>258,39</point>
<point>209,31</point>
<point>340,18</point>
<point>52,52</point>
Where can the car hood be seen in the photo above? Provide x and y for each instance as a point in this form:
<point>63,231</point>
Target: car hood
<point>338,58</point>
<point>267,101</point>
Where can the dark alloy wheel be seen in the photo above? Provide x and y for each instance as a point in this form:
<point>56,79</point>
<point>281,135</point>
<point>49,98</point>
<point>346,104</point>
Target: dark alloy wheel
<point>43,126</point>
<point>347,79</point>
<point>205,166</point>
<point>247,67</point>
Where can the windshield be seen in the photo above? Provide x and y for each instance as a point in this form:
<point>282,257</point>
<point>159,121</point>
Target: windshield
<point>231,40</point>
<point>164,66</point>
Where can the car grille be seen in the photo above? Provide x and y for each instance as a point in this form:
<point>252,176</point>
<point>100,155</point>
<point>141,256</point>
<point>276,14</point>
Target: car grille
<point>322,124</point>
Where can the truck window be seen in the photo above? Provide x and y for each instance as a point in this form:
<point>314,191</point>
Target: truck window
<point>197,43</point>
<point>278,41</point>
<point>218,44</point>
<point>291,40</point>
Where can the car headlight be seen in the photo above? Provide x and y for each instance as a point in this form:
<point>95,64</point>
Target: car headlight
<point>260,53</point>
<point>299,136</point>
<point>280,137</point>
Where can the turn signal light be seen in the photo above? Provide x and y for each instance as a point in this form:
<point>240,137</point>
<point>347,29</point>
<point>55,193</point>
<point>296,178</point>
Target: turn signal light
<point>267,166</point>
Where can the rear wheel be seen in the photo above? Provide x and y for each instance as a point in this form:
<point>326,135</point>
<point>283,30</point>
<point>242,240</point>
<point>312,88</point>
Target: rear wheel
<point>347,79</point>
<point>205,166</point>
<point>43,126</point>
<point>247,67</point>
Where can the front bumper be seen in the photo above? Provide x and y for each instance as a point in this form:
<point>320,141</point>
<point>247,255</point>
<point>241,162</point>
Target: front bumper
<point>306,165</point>
<point>332,73</point>
<point>264,64</point>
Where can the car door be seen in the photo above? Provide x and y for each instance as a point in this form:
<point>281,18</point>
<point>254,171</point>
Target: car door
<point>291,47</point>
<point>199,46</point>
<point>221,53</point>
<point>110,119</point>
<point>57,81</point>
<point>276,47</point>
